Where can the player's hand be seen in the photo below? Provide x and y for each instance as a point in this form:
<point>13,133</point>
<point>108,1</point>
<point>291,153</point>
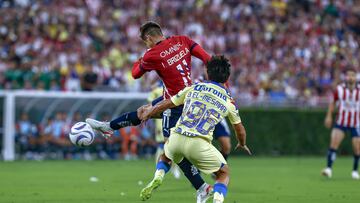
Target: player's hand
<point>328,122</point>
<point>142,110</point>
<point>243,147</point>
<point>146,115</point>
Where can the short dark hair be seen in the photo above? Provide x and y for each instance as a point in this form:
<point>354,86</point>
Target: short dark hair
<point>350,69</point>
<point>150,28</point>
<point>218,69</point>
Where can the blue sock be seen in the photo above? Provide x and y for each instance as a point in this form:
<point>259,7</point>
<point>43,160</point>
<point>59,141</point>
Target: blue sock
<point>191,173</point>
<point>220,188</point>
<point>163,165</point>
<point>356,162</point>
<point>125,120</point>
<point>331,156</point>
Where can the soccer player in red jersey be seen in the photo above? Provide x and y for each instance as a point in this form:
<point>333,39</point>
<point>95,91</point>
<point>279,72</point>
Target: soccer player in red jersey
<point>171,59</point>
<point>347,99</point>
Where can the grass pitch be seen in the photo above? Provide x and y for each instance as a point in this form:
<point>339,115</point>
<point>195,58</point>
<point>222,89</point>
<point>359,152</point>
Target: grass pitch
<point>264,180</point>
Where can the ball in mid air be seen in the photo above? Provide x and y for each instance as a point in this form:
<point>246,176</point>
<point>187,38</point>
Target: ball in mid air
<point>81,134</point>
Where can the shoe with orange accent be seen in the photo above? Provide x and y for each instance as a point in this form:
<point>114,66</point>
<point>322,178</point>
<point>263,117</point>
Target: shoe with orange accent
<point>102,127</point>
<point>204,193</point>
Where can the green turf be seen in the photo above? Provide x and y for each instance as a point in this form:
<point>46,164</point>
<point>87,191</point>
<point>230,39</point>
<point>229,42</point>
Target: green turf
<point>252,180</point>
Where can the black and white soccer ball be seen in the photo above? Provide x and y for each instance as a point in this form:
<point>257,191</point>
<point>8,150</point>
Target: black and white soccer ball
<point>81,134</point>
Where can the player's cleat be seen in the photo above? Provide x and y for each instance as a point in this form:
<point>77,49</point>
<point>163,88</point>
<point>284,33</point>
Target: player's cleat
<point>218,198</point>
<point>102,127</point>
<point>327,172</point>
<point>146,192</point>
<point>355,175</point>
<point>204,193</point>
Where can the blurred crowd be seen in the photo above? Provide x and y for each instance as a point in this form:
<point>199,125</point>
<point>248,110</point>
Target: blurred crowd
<point>279,49</point>
<point>49,140</point>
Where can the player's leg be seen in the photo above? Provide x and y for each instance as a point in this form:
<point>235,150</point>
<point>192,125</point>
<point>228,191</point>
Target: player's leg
<point>356,148</point>
<point>209,160</point>
<point>204,190</point>
<point>170,118</point>
<point>222,181</point>
<point>133,118</point>
<point>163,166</point>
<point>222,134</point>
<point>127,119</point>
<point>159,151</point>
<point>337,135</point>
<point>225,144</point>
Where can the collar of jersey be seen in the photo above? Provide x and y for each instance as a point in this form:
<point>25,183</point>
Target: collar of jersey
<point>162,40</point>
<point>220,85</point>
<point>216,83</point>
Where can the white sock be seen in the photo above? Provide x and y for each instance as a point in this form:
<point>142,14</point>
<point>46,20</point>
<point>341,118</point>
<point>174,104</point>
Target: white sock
<point>159,173</point>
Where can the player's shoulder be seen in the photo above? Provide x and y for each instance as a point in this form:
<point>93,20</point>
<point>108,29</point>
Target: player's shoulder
<point>181,38</point>
<point>150,55</point>
<point>339,86</point>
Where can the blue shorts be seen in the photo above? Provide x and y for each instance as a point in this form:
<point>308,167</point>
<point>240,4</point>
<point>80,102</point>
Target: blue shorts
<point>170,116</point>
<point>355,132</point>
<point>221,130</point>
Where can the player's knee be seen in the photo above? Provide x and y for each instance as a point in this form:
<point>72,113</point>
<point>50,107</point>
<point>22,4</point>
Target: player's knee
<point>335,142</point>
<point>226,148</point>
<point>224,170</point>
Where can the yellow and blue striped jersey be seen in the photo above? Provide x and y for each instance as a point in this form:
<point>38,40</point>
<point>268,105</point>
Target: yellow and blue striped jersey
<point>205,105</point>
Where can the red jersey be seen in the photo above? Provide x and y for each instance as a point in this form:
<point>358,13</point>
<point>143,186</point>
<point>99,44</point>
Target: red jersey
<point>171,59</point>
<point>348,102</point>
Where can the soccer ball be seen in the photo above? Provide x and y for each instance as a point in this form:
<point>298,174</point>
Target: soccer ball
<point>81,134</point>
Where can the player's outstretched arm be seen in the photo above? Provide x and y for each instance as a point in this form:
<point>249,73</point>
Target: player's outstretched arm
<point>241,137</point>
<point>157,109</point>
<point>196,50</point>
<point>200,53</point>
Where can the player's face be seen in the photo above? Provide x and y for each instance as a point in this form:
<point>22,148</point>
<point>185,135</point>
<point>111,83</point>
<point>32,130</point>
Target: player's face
<point>350,77</point>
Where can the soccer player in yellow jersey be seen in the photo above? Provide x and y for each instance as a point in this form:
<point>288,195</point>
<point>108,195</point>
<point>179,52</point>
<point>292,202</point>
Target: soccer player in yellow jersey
<point>205,105</point>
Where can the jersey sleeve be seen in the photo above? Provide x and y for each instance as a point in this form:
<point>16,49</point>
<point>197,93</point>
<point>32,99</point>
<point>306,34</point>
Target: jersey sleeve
<point>233,115</point>
<point>196,50</point>
<point>149,62</point>
<point>189,42</point>
<point>136,71</point>
<point>201,54</point>
<point>179,98</point>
